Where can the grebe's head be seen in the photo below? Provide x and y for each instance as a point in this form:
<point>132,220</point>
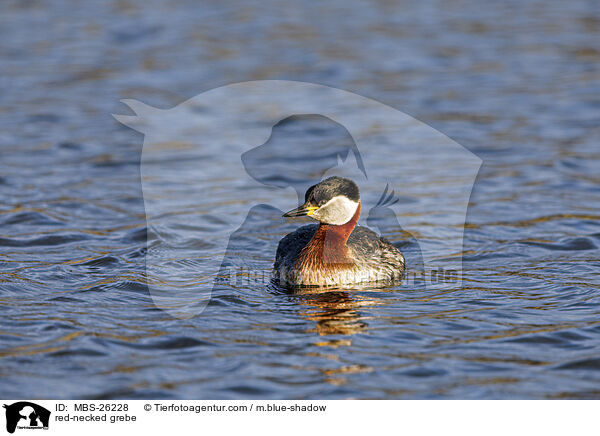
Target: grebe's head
<point>333,201</point>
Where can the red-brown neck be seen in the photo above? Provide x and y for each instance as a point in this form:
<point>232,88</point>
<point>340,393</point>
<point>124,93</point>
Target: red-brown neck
<point>328,244</point>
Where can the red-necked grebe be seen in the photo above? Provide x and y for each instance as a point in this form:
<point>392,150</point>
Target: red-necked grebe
<point>335,252</point>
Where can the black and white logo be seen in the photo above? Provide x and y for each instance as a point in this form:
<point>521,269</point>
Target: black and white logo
<point>26,415</point>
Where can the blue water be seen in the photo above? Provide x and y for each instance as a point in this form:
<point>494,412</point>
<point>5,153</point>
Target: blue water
<point>516,83</point>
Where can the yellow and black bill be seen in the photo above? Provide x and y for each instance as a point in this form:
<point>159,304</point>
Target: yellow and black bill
<point>301,211</point>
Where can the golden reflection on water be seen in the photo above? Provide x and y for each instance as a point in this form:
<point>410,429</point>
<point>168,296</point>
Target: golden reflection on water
<point>336,312</point>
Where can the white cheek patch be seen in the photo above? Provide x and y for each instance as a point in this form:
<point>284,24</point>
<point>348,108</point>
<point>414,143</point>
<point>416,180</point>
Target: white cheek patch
<point>337,211</point>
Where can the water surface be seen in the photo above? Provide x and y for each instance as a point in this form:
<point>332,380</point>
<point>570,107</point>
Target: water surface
<point>514,82</point>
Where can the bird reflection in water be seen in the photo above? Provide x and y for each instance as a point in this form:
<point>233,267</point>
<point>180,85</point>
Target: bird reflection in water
<point>336,312</point>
